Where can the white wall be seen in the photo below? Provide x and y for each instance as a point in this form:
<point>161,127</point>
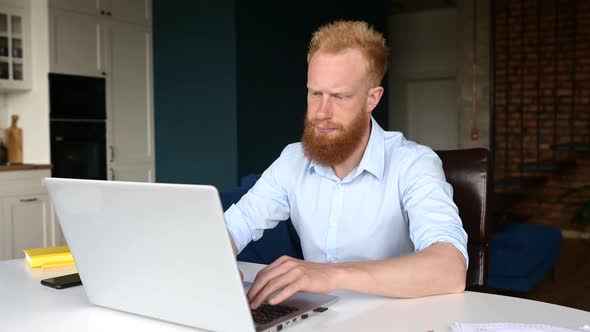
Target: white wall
<point>465,72</point>
<point>430,49</point>
<point>423,85</point>
<point>32,106</point>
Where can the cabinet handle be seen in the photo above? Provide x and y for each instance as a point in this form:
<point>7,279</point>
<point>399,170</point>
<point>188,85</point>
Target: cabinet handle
<point>102,12</point>
<point>104,73</point>
<point>112,148</point>
<point>109,13</point>
<point>28,200</point>
<point>112,174</point>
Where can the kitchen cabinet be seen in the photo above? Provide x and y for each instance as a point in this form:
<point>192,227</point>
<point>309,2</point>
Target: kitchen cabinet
<point>88,7</point>
<point>130,126</point>
<point>76,43</point>
<point>112,39</point>
<point>15,58</point>
<point>132,11</point>
<point>26,215</point>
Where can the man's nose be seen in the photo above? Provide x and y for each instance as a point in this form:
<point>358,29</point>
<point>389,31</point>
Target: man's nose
<point>325,108</point>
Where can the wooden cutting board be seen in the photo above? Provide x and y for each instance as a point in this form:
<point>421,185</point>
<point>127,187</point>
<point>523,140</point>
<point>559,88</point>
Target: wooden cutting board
<point>14,142</point>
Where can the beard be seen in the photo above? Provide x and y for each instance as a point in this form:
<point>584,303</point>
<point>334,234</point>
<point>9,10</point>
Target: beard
<point>330,149</point>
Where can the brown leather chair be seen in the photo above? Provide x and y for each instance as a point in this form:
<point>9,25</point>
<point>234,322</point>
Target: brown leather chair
<point>469,172</point>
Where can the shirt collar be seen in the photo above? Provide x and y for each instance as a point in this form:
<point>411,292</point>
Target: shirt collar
<point>373,160</point>
<point>374,157</point>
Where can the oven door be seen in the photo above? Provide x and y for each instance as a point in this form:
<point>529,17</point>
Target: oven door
<point>77,97</point>
<point>78,149</point>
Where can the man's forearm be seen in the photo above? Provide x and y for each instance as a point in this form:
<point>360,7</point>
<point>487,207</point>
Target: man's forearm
<point>438,269</point>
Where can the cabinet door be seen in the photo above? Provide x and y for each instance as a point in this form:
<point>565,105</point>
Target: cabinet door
<point>134,172</point>
<point>131,155</point>
<point>5,245</point>
<point>27,224</point>
<point>132,11</point>
<point>76,43</point>
<point>15,63</point>
<point>91,7</point>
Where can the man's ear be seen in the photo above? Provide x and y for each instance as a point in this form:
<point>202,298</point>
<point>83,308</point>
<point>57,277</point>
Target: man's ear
<point>374,97</point>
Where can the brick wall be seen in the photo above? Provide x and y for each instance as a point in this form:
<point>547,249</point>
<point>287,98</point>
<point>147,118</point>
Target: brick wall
<point>542,97</point>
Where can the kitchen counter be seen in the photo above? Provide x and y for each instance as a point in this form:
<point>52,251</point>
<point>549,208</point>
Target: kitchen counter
<point>24,167</point>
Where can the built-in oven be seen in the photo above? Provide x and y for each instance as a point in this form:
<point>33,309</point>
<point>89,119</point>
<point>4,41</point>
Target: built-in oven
<point>78,126</point>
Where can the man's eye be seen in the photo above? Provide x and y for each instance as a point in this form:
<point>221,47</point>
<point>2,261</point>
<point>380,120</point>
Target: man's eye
<point>315,94</point>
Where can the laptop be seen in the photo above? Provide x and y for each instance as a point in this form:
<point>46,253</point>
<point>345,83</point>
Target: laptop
<point>163,251</point>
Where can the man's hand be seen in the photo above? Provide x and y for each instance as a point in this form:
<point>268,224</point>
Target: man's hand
<point>287,276</point>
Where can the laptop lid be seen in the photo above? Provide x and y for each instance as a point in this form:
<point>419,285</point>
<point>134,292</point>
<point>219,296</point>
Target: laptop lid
<point>163,251</point>
<point>158,250</point>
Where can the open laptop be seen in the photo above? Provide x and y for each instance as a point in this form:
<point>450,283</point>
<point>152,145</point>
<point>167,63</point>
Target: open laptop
<point>163,251</point>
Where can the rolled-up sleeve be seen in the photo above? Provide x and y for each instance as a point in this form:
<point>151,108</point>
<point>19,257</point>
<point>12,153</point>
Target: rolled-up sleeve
<point>427,198</point>
<point>261,208</point>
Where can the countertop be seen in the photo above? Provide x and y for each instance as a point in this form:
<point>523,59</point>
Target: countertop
<point>24,167</point>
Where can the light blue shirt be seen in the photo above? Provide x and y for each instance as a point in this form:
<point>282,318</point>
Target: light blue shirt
<point>395,202</point>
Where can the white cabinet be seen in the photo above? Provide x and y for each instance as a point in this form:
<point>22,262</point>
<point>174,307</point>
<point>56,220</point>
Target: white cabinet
<point>131,156</point>
<point>26,216</point>
<point>27,223</point>
<point>117,46</point>
<point>76,43</point>
<point>15,58</point>
<point>132,11</point>
<point>89,7</point>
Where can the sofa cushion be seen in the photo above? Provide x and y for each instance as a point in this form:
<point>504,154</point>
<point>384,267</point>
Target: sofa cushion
<point>521,255</point>
<point>229,197</point>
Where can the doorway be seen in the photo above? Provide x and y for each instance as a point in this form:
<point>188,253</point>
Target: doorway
<point>423,76</point>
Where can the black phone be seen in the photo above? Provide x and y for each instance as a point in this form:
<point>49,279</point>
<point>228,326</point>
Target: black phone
<point>61,282</point>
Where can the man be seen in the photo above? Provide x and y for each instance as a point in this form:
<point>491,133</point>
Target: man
<point>373,211</point>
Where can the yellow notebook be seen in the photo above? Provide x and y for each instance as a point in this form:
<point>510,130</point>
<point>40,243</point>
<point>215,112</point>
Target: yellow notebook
<point>49,257</point>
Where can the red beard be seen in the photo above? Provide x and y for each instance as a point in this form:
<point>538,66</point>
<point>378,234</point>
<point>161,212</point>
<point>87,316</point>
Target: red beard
<point>331,150</point>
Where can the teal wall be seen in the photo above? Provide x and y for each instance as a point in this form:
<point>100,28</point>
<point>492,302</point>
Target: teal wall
<point>195,92</point>
<point>230,82</point>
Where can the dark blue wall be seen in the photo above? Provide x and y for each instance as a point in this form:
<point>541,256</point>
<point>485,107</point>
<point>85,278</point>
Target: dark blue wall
<point>195,92</point>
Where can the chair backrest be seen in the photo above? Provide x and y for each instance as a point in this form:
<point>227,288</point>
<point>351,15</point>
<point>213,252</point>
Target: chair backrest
<point>469,172</point>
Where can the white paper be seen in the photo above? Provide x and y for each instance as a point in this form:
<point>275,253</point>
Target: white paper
<point>511,327</point>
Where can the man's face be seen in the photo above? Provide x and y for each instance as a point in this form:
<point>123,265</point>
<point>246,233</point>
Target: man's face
<point>339,106</point>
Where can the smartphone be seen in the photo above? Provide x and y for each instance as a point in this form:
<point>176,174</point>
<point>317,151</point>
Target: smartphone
<point>61,282</point>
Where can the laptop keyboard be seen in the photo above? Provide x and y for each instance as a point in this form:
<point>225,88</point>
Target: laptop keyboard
<point>267,313</point>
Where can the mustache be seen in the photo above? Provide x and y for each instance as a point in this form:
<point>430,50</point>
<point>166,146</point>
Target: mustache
<point>316,122</point>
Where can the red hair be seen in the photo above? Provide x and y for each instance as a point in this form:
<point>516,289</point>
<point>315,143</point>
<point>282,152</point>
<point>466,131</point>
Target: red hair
<point>341,35</point>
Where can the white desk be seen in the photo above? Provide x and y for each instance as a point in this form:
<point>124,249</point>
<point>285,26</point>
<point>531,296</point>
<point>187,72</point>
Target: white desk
<point>26,305</point>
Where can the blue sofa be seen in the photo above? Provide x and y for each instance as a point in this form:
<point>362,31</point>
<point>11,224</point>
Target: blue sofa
<point>520,254</point>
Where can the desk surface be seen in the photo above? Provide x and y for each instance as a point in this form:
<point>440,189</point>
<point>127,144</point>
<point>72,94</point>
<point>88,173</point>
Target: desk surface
<point>26,305</point>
